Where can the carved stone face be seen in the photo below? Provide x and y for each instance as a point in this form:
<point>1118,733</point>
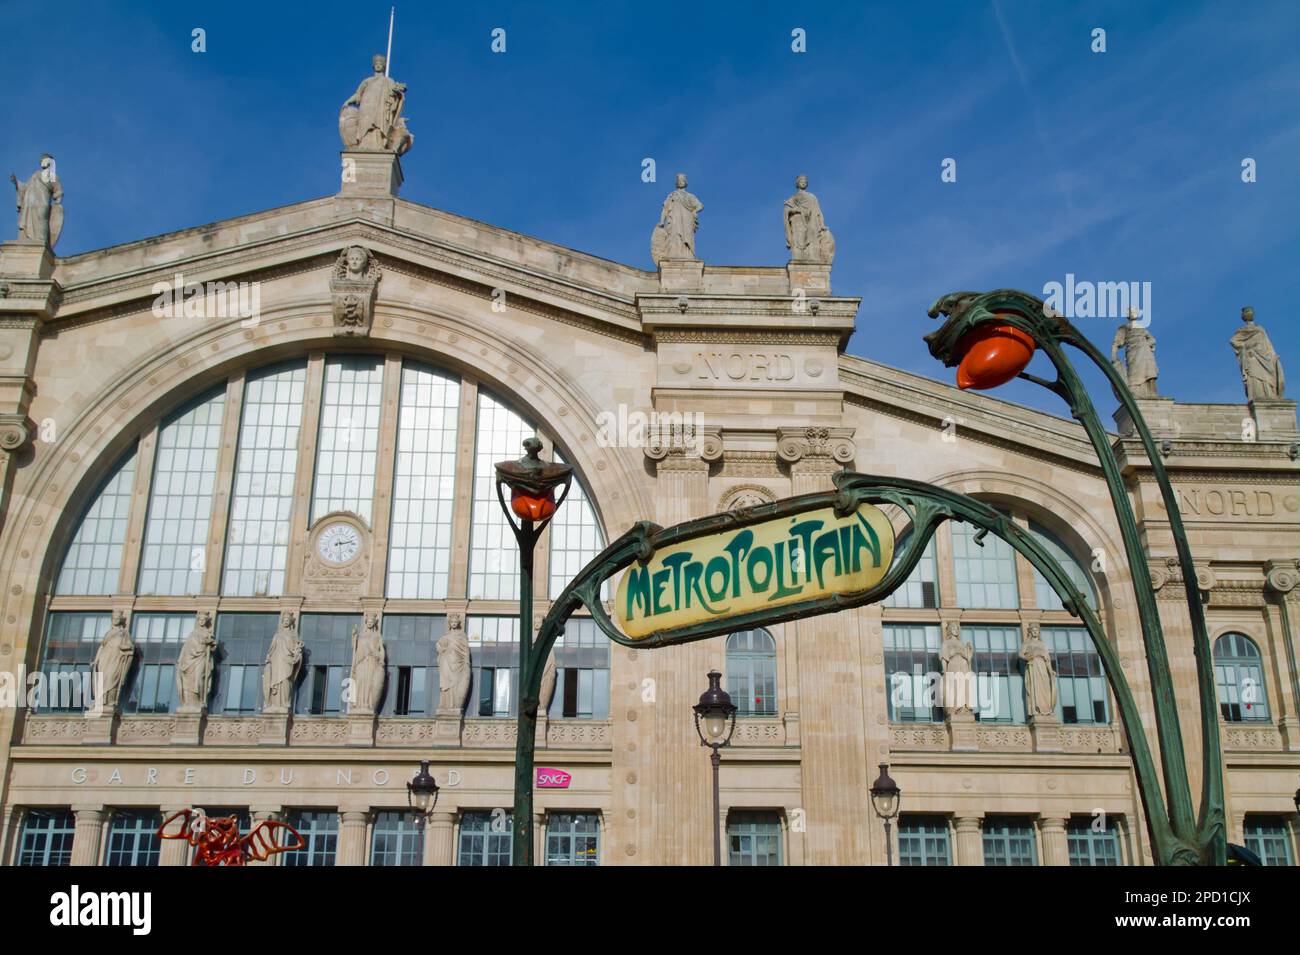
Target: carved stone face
<point>681,180</point>
<point>1247,314</point>
<point>378,62</point>
<point>801,182</point>
<point>356,260</point>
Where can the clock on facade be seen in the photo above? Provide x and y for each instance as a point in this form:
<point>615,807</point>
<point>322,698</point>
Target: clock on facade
<point>338,543</point>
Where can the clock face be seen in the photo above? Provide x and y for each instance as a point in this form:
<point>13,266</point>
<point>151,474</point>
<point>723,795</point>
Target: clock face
<point>338,543</point>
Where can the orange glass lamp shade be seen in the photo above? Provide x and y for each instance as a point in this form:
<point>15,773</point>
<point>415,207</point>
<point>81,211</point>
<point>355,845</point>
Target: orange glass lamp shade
<point>992,355</point>
<point>530,506</point>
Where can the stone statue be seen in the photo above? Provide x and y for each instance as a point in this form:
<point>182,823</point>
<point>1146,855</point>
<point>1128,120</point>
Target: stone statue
<point>353,289</point>
<point>1261,369</point>
<point>283,661</point>
<point>547,690</point>
<point>1040,675</point>
<point>112,663</point>
<point>371,117</point>
<point>955,654</point>
<point>806,235</point>
<point>674,236</point>
<point>1139,364</point>
<point>40,213</point>
<point>453,667</point>
<point>368,662</point>
<point>194,666</point>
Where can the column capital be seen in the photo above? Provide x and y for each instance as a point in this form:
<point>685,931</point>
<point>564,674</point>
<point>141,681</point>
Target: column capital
<point>354,817</point>
<point>1053,822</point>
<point>966,821</point>
<point>89,813</point>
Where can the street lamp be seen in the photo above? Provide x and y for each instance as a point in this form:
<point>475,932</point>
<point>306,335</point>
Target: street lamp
<point>533,484</point>
<point>885,797</point>
<point>991,338</point>
<point>422,792</point>
<point>715,721</point>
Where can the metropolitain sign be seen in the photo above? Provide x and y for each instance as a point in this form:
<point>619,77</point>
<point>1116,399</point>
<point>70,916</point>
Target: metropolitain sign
<point>788,559</point>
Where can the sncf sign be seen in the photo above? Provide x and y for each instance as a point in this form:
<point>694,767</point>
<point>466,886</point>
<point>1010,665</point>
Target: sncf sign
<point>548,778</point>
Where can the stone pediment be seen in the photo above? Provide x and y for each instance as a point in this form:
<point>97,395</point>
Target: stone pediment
<point>437,246</point>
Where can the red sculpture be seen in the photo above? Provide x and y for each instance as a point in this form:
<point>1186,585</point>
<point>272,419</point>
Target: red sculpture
<point>218,842</point>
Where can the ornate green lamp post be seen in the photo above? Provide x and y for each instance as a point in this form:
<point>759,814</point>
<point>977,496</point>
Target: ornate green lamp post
<point>992,336</point>
<point>715,721</point>
<point>533,485</point>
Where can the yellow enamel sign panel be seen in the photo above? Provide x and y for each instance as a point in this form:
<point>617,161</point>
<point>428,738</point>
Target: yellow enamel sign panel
<point>778,562</point>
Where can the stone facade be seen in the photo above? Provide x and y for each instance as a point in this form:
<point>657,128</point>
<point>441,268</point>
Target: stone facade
<point>87,368</point>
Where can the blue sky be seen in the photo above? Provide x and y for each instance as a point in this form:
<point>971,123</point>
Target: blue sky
<point>1115,166</point>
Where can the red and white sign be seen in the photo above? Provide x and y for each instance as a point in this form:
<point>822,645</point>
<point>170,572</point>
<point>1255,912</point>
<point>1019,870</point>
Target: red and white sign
<point>548,778</point>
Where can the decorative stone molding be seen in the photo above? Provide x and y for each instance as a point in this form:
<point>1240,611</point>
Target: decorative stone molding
<point>1281,576</point>
<point>759,732</point>
<point>1263,736</point>
<point>1090,739</point>
<point>794,445</point>
<point>489,733</point>
<point>1171,573</point>
<point>353,290</point>
<point>745,495</point>
<point>324,730</point>
<point>402,731</point>
<point>920,736</point>
<point>146,729</point>
<point>1004,738</point>
<point>684,443</point>
<point>578,734</point>
<point>15,432</point>
<point>54,729</point>
<point>232,730</point>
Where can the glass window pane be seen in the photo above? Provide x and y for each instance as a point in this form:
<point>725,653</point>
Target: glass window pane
<point>94,558</point>
<point>493,555</point>
<point>424,479</point>
<point>347,449</point>
<point>985,575</point>
<point>265,469</point>
<point>180,501</point>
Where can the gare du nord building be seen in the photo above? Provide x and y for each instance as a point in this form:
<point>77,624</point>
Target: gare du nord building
<point>326,466</point>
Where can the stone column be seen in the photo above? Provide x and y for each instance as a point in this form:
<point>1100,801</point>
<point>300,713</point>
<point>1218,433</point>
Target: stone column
<point>353,826</point>
<point>832,691</point>
<point>88,835</point>
<point>539,837</point>
<point>1056,850</point>
<point>170,851</point>
<point>672,789</point>
<point>438,838</point>
<point>970,842</point>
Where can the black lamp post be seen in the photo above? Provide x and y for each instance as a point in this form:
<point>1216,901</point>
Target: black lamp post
<point>715,721</point>
<point>1297,800</point>
<point>422,792</point>
<point>885,797</point>
<point>533,484</point>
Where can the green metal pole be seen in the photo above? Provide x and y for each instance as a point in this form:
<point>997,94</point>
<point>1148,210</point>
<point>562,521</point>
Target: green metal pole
<point>529,690</point>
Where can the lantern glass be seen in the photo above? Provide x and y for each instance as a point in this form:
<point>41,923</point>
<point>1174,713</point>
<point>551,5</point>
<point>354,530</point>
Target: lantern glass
<point>715,725</point>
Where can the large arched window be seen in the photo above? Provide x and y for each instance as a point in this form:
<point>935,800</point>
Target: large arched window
<point>751,672</point>
<point>228,493</point>
<point>996,595</point>
<point>1239,675</point>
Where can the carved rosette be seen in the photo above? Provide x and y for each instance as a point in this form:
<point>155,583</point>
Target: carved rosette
<point>353,290</point>
<point>830,448</point>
